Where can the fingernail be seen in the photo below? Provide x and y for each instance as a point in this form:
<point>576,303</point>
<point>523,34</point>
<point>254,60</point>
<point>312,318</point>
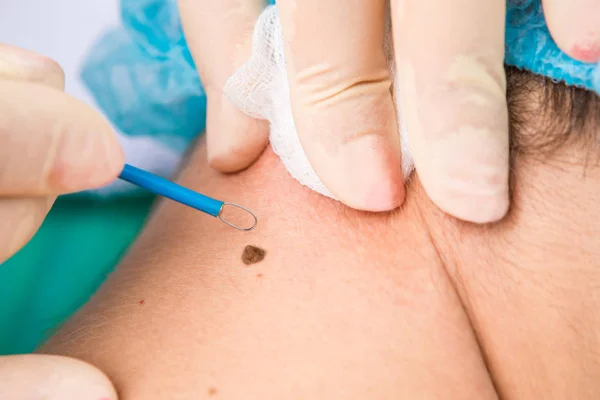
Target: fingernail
<point>85,161</point>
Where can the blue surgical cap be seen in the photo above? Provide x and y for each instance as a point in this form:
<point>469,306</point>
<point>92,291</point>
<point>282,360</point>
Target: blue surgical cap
<point>143,77</point>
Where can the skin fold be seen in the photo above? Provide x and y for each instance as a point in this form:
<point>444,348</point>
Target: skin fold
<point>348,304</point>
<point>345,304</point>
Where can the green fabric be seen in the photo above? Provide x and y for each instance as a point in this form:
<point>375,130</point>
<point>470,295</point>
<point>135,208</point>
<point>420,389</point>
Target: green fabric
<point>80,242</point>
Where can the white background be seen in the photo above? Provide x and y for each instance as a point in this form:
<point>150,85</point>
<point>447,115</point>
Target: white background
<point>60,29</point>
<point>64,30</point>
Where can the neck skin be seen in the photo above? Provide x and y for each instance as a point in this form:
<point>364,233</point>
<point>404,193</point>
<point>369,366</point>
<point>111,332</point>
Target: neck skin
<point>530,282</point>
<point>346,305</point>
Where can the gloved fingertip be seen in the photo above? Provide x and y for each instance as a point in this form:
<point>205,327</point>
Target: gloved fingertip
<point>378,195</point>
<point>53,378</point>
<point>235,140</point>
<point>86,161</point>
<point>467,176</point>
<point>574,27</point>
<point>476,208</point>
<point>459,136</point>
<point>587,50</point>
<point>366,175</point>
<point>579,45</point>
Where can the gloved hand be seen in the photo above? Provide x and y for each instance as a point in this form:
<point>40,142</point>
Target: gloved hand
<point>50,144</point>
<point>33,376</point>
<point>450,65</point>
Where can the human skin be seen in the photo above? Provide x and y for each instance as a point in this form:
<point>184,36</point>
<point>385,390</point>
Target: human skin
<point>352,305</point>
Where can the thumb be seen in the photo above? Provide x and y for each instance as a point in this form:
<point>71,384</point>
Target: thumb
<point>25,377</point>
<point>51,143</point>
<point>19,64</point>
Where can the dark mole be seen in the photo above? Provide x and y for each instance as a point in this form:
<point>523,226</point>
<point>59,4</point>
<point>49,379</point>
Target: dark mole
<point>253,255</point>
<point>259,275</point>
<point>142,302</point>
<point>212,391</point>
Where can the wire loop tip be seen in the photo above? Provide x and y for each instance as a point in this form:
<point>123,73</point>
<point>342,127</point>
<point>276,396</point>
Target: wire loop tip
<point>239,228</point>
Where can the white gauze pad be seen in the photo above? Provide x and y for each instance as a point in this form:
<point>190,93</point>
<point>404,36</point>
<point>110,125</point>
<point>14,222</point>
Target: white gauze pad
<point>260,89</point>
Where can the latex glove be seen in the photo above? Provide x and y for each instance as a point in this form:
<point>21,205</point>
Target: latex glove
<point>219,36</point>
<point>453,92</point>
<point>33,377</point>
<point>50,144</point>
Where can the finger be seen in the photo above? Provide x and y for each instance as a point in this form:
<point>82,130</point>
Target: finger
<point>453,95</point>
<point>19,64</point>
<point>52,378</point>
<point>574,25</point>
<point>21,218</point>
<point>51,143</point>
<point>341,98</point>
<point>219,35</point>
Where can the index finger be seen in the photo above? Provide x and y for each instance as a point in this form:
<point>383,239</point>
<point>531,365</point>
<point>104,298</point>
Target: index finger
<point>450,55</point>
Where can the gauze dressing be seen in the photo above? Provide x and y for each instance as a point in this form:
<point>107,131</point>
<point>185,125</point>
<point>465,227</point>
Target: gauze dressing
<point>260,89</point>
